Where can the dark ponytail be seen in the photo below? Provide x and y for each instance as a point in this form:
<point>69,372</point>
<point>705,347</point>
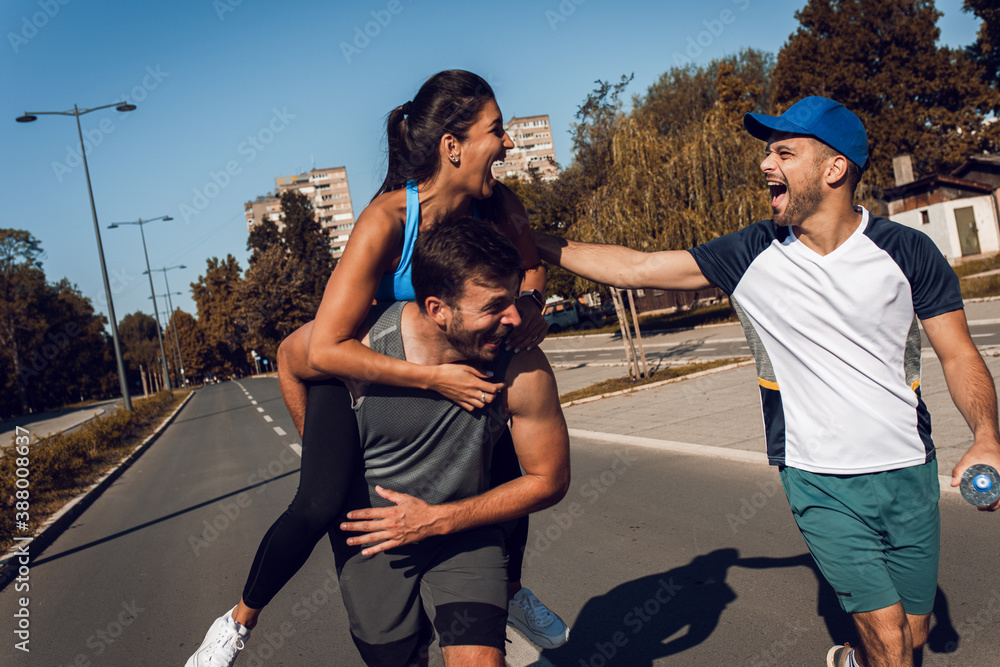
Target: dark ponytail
<point>448,103</point>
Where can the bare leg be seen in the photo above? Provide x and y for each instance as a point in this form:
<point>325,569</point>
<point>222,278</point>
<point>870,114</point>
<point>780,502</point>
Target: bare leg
<point>246,616</point>
<point>886,637</point>
<point>481,656</point>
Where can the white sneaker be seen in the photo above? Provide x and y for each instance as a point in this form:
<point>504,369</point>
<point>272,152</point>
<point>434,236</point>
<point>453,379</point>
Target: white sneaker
<point>535,620</point>
<point>224,640</point>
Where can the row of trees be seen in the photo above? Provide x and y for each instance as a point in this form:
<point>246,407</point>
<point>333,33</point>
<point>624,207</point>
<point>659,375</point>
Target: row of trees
<point>678,169</point>
<point>56,351</point>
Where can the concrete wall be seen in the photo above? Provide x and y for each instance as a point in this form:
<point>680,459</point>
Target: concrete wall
<point>942,228</point>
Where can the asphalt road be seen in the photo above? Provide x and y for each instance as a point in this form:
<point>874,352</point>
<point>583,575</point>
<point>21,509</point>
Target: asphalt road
<point>653,558</point>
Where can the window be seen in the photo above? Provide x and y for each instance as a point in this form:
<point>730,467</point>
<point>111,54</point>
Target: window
<point>925,217</point>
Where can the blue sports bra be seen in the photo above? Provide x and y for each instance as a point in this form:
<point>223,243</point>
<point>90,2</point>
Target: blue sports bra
<point>398,286</point>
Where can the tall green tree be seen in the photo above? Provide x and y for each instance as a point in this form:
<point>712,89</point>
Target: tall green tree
<point>289,269</point>
<point>217,295</point>
<point>985,51</point>
<point>306,241</point>
<point>880,59</point>
<point>686,95</point>
<point>140,347</point>
<point>191,342</point>
<point>22,284</point>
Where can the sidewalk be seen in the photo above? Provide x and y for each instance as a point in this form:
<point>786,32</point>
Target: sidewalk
<point>43,424</point>
<point>722,410</point>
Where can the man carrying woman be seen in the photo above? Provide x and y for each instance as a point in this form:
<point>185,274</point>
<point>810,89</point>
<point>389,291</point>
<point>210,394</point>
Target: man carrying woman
<point>442,146</point>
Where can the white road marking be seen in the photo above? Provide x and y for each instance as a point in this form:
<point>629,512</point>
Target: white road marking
<point>268,419</point>
<point>260,409</point>
<point>253,402</point>
<point>279,430</point>
<point>297,448</point>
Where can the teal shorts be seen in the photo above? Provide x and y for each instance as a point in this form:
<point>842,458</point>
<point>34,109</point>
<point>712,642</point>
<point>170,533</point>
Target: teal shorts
<point>875,537</point>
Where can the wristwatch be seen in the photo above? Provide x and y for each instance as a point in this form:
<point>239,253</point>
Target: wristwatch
<point>535,295</point>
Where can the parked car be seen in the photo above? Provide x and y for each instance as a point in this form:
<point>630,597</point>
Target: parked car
<point>570,314</point>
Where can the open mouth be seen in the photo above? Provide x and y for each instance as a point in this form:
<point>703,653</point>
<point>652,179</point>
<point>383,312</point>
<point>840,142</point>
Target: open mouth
<point>498,337</point>
<point>779,192</point>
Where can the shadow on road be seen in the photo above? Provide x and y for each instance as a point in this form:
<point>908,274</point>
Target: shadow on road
<point>172,515</point>
<point>645,619</point>
<point>661,615</point>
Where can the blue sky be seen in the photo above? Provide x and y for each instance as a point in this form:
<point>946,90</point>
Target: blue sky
<point>232,93</point>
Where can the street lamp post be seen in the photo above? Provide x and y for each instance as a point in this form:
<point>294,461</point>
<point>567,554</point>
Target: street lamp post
<point>159,332</point>
<point>170,303</point>
<point>77,112</point>
<point>178,360</point>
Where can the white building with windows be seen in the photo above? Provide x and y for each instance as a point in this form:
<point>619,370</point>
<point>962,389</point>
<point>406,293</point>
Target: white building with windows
<point>533,150</point>
<point>960,211</point>
<point>330,195</point>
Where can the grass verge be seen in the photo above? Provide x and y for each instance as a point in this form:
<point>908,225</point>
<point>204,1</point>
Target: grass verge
<point>684,319</point>
<point>61,466</point>
<point>618,384</point>
<point>977,288</point>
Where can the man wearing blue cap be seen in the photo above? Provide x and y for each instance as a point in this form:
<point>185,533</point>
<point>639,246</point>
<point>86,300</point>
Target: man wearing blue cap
<point>829,297</point>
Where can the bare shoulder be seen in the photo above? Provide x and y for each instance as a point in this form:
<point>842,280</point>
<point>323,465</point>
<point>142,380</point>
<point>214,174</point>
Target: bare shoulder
<point>530,382</point>
<point>387,211</point>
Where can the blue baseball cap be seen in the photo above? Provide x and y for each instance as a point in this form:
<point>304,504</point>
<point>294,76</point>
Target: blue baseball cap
<point>817,117</point>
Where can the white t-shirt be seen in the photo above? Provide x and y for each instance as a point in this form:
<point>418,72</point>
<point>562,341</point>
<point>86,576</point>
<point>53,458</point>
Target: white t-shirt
<point>835,339</point>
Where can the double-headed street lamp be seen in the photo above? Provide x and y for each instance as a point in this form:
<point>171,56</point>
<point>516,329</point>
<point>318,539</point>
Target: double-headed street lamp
<point>159,333</point>
<point>170,303</point>
<point>179,365</point>
<point>77,112</point>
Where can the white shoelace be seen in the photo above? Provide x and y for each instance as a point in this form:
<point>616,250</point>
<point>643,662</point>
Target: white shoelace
<point>535,611</point>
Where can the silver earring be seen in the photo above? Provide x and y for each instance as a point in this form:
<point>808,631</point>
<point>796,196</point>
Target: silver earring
<point>453,158</point>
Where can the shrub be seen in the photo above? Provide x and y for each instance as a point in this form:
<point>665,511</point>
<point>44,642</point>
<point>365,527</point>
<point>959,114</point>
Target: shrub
<point>63,464</point>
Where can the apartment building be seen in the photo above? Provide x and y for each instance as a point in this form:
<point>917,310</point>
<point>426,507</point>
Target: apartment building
<point>533,149</point>
<point>329,193</point>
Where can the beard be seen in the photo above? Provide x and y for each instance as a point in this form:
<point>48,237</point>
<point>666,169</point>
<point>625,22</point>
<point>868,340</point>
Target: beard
<point>801,204</point>
<point>471,345</point>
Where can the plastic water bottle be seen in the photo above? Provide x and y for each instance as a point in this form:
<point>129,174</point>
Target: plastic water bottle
<point>980,485</point>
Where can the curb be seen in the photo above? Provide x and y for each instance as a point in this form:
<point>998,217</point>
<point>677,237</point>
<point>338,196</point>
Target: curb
<point>54,526</point>
<point>711,451</point>
<point>654,385</point>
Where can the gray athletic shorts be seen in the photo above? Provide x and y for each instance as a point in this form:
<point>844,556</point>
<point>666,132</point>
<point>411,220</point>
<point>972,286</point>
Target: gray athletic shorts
<point>455,584</point>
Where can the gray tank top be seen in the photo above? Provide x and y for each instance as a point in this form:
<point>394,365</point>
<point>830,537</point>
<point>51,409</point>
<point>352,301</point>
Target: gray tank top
<point>417,442</point>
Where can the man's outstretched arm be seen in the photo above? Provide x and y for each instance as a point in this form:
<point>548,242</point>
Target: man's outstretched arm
<point>971,387</point>
<point>623,267</point>
<point>541,441</point>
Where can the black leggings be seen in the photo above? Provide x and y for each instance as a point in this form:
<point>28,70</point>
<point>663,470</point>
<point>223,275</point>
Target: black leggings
<point>331,462</point>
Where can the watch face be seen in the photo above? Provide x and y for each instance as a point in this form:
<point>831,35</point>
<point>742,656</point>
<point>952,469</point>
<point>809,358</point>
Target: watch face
<point>534,295</point>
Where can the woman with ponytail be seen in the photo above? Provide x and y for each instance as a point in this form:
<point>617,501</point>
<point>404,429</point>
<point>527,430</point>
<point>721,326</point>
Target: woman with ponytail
<point>441,149</point>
